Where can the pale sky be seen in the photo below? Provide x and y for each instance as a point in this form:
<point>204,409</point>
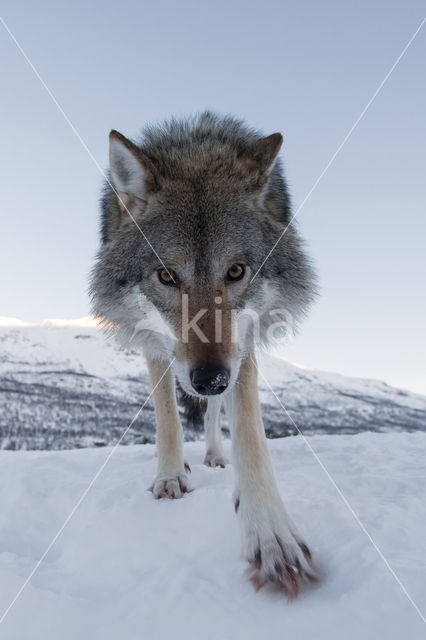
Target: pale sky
<point>306,69</point>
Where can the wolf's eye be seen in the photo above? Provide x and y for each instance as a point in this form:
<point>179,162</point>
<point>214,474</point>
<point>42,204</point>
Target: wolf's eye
<point>236,272</point>
<point>167,276</point>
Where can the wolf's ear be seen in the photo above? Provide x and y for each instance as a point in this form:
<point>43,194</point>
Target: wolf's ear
<point>258,158</point>
<point>133,174</point>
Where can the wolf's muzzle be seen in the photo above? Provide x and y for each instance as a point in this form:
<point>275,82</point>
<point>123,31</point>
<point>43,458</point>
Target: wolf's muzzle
<point>210,380</point>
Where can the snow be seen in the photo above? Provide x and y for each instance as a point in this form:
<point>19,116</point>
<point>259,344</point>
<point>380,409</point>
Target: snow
<point>86,321</point>
<point>130,567</point>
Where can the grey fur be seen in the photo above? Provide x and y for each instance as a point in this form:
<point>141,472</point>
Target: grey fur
<point>201,203</point>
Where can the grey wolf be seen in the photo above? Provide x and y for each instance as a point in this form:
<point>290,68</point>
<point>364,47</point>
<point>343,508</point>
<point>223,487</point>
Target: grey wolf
<point>189,213</point>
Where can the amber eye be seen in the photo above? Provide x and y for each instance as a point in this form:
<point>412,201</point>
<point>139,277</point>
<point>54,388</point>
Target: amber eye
<point>167,276</point>
<point>235,272</point>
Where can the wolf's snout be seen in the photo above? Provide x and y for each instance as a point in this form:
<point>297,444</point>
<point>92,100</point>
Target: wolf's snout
<point>209,380</point>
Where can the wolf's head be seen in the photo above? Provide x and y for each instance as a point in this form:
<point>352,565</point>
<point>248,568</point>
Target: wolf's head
<point>189,216</point>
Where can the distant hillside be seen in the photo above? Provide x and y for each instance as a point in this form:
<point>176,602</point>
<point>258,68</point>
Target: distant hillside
<point>68,387</point>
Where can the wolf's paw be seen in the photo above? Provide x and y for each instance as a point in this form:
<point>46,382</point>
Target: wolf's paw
<point>170,487</point>
<point>274,553</point>
<point>215,459</point>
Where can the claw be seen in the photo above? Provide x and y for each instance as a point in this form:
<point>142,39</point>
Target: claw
<point>286,574</point>
<point>306,551</point>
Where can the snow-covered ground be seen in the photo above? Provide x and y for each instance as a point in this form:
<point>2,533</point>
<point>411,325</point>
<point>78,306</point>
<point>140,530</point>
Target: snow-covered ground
<point>131,568</point>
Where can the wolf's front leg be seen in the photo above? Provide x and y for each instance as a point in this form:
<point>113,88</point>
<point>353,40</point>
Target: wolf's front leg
<point>272,544</point>
<point>171,480</point>
<point>215,456</point>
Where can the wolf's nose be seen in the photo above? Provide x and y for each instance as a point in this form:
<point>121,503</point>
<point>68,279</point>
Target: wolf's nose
<point>209,380</point>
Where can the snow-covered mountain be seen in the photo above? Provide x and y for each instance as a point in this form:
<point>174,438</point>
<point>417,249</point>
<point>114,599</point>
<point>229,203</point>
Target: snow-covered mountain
<point>67,387</point>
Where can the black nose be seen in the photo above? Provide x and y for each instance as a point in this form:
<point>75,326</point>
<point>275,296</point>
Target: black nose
<point>209,380</point>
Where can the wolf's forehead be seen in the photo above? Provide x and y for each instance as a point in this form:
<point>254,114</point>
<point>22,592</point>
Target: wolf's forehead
<point>202,196</point>
<point>203,223</point>
<point>201,210</point>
